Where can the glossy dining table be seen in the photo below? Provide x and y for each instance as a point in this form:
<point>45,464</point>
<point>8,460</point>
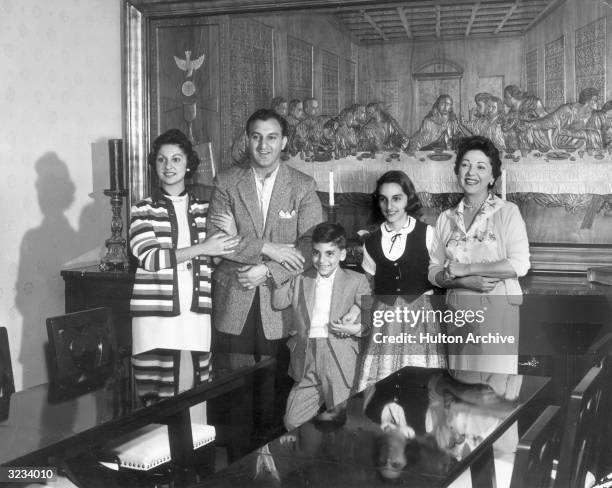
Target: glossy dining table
<point>43,422</point>
<point>419,427</point>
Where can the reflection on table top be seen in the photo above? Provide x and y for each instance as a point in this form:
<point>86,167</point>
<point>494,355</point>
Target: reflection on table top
<point>529,174</point>
<point>36,421</point>
<point>420,426</point>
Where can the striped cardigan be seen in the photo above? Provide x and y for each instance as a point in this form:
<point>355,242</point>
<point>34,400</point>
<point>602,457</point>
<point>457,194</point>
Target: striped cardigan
<point>153,240</point>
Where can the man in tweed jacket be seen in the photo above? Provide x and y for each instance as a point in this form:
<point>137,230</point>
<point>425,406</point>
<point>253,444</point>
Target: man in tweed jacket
<point>275,208</point>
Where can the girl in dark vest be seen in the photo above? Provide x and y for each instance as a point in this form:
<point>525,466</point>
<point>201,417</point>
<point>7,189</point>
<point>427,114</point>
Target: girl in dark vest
<point>396,259</point>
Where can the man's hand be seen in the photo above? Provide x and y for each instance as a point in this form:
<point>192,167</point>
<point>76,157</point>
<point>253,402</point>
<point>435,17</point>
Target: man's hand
<point>284,254</point>
<point>251,276</point>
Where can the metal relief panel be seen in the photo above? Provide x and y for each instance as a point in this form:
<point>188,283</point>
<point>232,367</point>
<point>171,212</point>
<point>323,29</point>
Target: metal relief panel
<point>429,90</point>
<point>387,92</point>
<point>531,69</point>
<point>299,57</point>
<point>554,73</point>
<point>331,80</point>
<point>251,70</point>
<point>350,80</point>
<point>591,56</point>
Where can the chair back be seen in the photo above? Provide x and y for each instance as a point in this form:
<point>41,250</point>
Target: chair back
<point>600,354</point>
<point>7,382</point>
<point>580,424</point>
<point>535,452</point>
<point>82,347</point>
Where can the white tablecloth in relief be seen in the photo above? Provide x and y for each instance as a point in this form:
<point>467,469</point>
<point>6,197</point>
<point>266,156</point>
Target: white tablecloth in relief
<point>529,175</point>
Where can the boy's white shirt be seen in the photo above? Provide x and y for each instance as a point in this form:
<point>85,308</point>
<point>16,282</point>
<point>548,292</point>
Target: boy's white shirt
<point>321,305</point>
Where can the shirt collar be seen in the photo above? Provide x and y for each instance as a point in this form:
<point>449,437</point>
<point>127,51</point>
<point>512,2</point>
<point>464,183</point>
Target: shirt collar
<point>330,278</point>
<point>405,230</point>
<point>270,177</point>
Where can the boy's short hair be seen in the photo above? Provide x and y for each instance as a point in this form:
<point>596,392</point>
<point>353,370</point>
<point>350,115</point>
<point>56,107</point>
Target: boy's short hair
<point>329,232</point>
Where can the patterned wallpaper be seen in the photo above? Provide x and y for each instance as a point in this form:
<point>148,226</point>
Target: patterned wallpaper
<point>591,56</point>
<point>61,100</point>
<point>251,69</point>
<point>350,82</point>
<point>331,82</point>
<point>531,70</point>
<point>554,73</point>
<point>299,58</point>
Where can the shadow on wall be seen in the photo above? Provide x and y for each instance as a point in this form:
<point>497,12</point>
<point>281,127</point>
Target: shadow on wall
<point>43,250</point>
<point>95,219</point>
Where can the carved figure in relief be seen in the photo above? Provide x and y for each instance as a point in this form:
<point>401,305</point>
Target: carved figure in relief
<point>361,117</point>
<point>570,126</point>
<point>345,136</point>
<point>478,113</point>
<point>295,114</point>
<point>241,145</point>
<point>491,123</point>
<point>382,131</point>
<point>522,106</point>
<point>188,89</point>
<point>439,129</point>
<point>601,120</point>
<point>308,134</point>
<point>280,106</point>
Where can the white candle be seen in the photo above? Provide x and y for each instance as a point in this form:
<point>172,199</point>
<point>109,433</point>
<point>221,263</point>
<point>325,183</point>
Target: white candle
<point>503,184</point>
<point>331,189</point>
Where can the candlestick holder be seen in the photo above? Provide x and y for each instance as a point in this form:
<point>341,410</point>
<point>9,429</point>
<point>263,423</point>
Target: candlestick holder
<point>116,258</point>
<point>332,214</point>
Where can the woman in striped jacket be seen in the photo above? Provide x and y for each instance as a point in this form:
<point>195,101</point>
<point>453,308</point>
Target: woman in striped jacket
<point>171,301</point>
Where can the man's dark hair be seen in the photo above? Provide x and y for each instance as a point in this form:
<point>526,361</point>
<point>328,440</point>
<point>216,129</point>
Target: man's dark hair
<point>327,232</point>
<point>267,114</point>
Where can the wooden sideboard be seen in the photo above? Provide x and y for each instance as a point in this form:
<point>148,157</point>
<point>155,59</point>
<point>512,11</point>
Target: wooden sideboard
<point>89,287</point>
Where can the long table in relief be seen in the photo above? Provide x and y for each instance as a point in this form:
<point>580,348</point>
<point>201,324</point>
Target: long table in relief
<point>563,202</point>
<point>530,174</point>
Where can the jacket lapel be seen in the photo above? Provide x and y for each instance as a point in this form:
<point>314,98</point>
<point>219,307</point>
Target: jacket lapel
<point>248,195</point>
<point>308,289</point>
<point>337,290</point>
<point>278,198</point>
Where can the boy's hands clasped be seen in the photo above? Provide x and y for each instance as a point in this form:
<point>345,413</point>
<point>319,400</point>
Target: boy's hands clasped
<point>347,325</point>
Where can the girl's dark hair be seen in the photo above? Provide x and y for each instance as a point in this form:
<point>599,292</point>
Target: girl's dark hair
<point>484,144</point>
<point>412,206</point>
<point>177,138</point>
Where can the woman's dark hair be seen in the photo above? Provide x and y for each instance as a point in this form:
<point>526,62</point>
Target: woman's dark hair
<point>484,144</point>
<point>412,206</point>
<point>177,138</point>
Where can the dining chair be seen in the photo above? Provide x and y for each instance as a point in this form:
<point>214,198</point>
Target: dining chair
<point>535,452</point>
<point>83,353</point>
<point>7,382</point>
<point>582,421</point>
<point>600,355</point>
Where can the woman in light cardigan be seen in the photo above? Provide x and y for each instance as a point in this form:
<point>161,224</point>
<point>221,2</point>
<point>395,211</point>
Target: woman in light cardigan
<point>479,251</point>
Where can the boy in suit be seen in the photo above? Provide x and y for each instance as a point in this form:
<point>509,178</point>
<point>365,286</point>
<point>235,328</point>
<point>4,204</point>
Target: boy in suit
<point>325,339</point>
